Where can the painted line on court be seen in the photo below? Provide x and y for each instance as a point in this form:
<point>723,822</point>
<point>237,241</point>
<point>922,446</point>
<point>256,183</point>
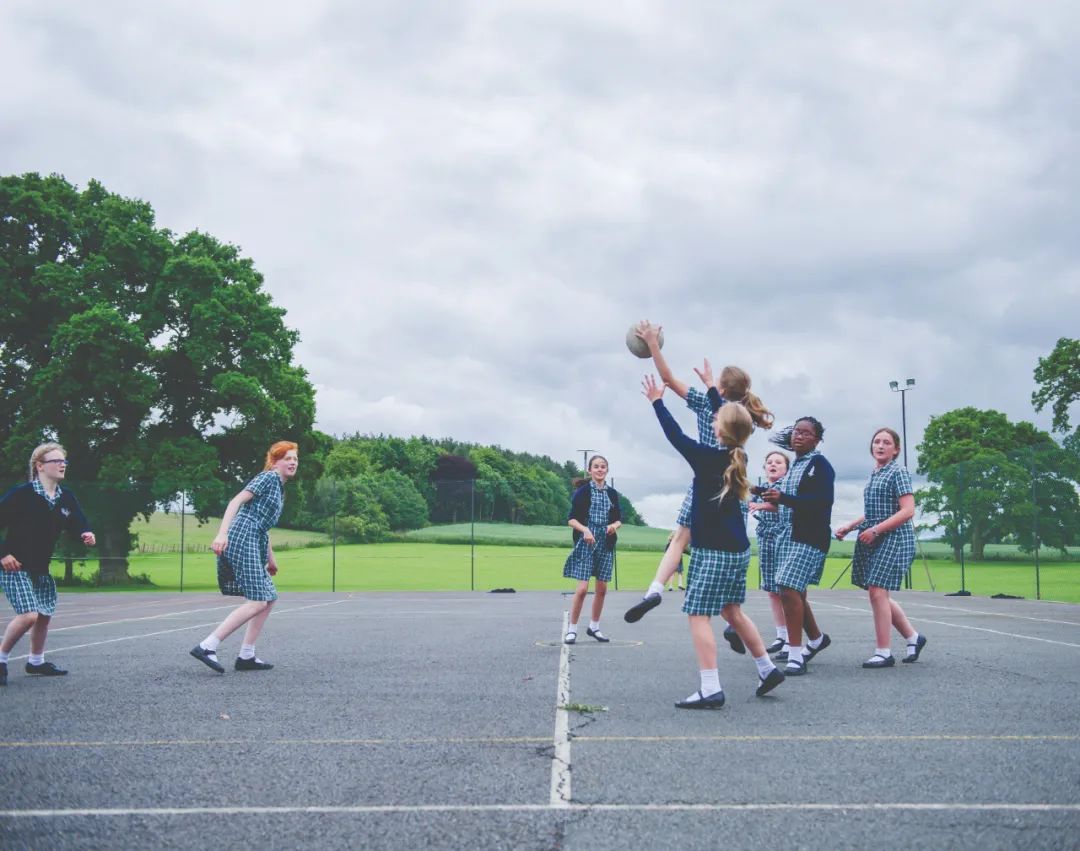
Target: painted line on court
<point>532,740</point>
<point>279,612</point>
<point>560,758</point>
<point>994,614</point>
<point>975,628</point>
<point>145,618</point>
<point>534,808</point>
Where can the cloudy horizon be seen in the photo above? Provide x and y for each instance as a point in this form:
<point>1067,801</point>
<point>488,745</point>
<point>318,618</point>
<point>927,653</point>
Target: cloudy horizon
<point>463,207</point>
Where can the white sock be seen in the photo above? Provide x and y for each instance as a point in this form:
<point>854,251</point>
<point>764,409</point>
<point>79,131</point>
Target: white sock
<point>572,628</point>
<point>37,659</point>
<point>655,588</point>
<point>781,632</point>
<point>912,643</point>
<point>247,651</point>
<point>594,625</point>
<point>816,642</point>
<point>211,643</point>
<point>764,665</point>
<point>796,654</point>
<point>883,651</point>
<point>4,657</point>
<point>710,681</point>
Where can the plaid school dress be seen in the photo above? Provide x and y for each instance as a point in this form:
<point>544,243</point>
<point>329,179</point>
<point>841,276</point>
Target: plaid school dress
<point>588,560</point>
<point>28,593</point>
<point>770,526</point>
<point>797,564</point>
<point>889,558</point>
<point>242,567</point>
<point>699,403</point>
<point>716,578</point>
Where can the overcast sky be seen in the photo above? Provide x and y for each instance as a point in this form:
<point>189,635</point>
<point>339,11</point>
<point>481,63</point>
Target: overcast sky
<point>464,205</point>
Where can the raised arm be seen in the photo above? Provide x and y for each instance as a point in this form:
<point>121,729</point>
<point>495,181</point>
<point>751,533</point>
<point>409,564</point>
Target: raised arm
<point>651,335</point>
<point>690,449</point>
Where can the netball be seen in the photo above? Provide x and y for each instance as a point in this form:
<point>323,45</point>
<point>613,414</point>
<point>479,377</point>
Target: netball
<point>636,345</point>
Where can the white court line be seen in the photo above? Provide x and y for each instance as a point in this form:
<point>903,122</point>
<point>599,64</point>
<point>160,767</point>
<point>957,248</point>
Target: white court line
<point>539,808</point>
<point>995,614</point>
<point>55,650</point>
<point>145,618</point>
<point>560,759</point>
<point>976,628</point>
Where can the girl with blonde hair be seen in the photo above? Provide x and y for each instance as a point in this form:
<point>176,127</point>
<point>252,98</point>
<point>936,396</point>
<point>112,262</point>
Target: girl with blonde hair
<point>246,560</point>
<point>720,548</point>
<point>35,515</point>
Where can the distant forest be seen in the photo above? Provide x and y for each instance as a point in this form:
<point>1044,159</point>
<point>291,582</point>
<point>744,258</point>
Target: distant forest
<point>368,487</point>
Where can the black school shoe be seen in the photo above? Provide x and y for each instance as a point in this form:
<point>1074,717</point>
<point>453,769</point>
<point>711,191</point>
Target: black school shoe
<point>919,645</point>
<point>811,652</point>
<point>775,677</point>
<point>776,646</point>
<point>207,658</point>
<point>879,661</point>
<point>733,639</point>
<point>637,611</point>
<point>251,664</point>
<point>597,634</point>
<point>713,701</point>
<point>45,669</point>
<point>3,673</point>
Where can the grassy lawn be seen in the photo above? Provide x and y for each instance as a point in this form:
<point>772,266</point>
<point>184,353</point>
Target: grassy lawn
<point>421,566</point>
<point>161,533</point>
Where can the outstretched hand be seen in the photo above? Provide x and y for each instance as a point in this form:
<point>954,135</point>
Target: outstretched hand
<point>650,389</point>
<point>705,374</point>
<point>649,333</point>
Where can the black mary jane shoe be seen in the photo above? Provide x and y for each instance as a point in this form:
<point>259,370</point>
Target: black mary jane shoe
<point>879,661</point>
<point>208,658</point>
<point>768,683</point>
<point>732,638</point>
<point>597,634</point>
<point>713,701</point>
<point>920,643</point>
<point>251,664</point>
<point>637,611</point>
<point>776,646</point>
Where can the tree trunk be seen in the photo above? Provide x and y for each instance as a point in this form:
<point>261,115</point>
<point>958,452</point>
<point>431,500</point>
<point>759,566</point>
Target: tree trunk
<point>69,571</point>
<point>113,546</point>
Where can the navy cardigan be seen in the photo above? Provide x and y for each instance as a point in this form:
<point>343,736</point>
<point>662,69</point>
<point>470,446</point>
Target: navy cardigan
<point>811,505</point>
<point>713,525</point>
<point>33,528</point>
<point>579,511</point>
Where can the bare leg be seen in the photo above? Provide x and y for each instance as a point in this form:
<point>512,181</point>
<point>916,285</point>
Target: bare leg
<point>598,600</point>
<point>672,555</point>
<point>240,616</point>
<point>578,601</point>
<point>879,605</point>
<point>704,641</point>
<point>777,609</point>
<point>900,621</point>
<point>733,614</point>
<point>255,625</point>
<point>38,633</point>
<point>808,622</point>
<point>793,614</point>
<point>16,629</point>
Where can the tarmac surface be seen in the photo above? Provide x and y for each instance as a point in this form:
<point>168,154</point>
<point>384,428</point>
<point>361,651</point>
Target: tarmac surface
<point>460,720</point>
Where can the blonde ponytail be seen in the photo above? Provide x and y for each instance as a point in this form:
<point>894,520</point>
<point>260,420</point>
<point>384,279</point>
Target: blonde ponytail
<point>736,480</point>
<point>761,415</point>
<point>733,425</point>
<point>734,385</point>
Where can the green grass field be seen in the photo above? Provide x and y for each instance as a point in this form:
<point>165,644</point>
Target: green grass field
<point>162,533</point>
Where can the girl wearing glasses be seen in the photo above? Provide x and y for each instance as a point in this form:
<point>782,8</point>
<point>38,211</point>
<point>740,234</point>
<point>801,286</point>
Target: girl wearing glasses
<point>34,515</point>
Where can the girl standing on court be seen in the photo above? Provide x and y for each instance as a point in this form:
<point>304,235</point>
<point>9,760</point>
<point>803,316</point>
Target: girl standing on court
<point>720,549</point>
<point>595,517</point>
<point>246,559</point>
<point>35,514</point>
<point>807,490</point>
<point>733,386</point>
<point>769,521</point>
<point>885,547</point>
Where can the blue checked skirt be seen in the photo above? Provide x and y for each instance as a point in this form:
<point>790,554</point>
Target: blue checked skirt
<point>585,561</point>
<point>884,564</point>
<point>716,579</point>
<point>767,545</point>
<point>242,567</point>
<point>28,593</point>
<point>797,564</point>
<point>687,507</point>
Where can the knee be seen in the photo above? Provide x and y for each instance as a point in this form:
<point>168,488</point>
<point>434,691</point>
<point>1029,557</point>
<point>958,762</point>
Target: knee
<point>877,594</point>
<point>730,612</point>
<point>31,618</point>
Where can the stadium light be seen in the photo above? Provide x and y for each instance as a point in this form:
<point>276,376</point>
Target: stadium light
<point>896,388</point>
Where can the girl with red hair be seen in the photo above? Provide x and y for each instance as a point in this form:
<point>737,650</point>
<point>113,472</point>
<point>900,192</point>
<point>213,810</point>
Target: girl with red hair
<point>246,559</point>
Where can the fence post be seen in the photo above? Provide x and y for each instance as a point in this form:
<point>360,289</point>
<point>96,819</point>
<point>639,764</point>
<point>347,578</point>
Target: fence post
<point>333,541</point>
<point>1035,525</point>
<point>472,534</point>
<point>183,514</point>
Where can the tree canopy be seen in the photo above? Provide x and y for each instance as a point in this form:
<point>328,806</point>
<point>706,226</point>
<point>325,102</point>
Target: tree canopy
<point>158,360</point>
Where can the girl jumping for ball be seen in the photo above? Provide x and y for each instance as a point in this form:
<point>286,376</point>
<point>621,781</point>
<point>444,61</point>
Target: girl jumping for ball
<point>595,517</point>
<point>720,549</point>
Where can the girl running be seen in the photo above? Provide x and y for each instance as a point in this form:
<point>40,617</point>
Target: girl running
<point>35,514</point>
<point>595,517</point>
<point>720,549</point>
<point>885,547</point>
<point>733,386</point>
<point>807,490</point>
<point>769,521</point>
<point>246,558</point>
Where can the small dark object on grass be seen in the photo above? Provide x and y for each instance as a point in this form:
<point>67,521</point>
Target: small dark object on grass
<point>1006,597</point>
<point>502,591</point>
<point>959,594</point>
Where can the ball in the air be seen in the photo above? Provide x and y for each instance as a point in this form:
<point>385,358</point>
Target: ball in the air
<point>637,346</point>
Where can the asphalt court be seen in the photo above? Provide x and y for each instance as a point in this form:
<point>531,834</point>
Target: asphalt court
<point>408,719</point>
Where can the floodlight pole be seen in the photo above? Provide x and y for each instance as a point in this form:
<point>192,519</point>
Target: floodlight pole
<point>896,388</point>
<point>585,461</point>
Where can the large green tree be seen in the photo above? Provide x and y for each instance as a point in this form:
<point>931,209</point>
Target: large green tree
<point>157,360</point>
<point>1058,379</point>
<point>989,478</point>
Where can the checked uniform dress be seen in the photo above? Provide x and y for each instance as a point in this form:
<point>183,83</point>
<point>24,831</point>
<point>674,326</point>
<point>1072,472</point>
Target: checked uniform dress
<point>699,403</point>
<point>716,578</point>
<point>588,560</point>
<point>885,562</point>
<point>242,566</point>
<point>770,526</point>
<point>28,593</point>
<point>797,564</point>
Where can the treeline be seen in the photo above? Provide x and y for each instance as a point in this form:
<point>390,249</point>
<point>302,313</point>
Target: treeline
<point>368,487</point>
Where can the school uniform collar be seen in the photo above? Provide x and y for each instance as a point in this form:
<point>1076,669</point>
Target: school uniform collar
<point>39,489</point>
<point>592,485</point>
<point>879,470</point>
